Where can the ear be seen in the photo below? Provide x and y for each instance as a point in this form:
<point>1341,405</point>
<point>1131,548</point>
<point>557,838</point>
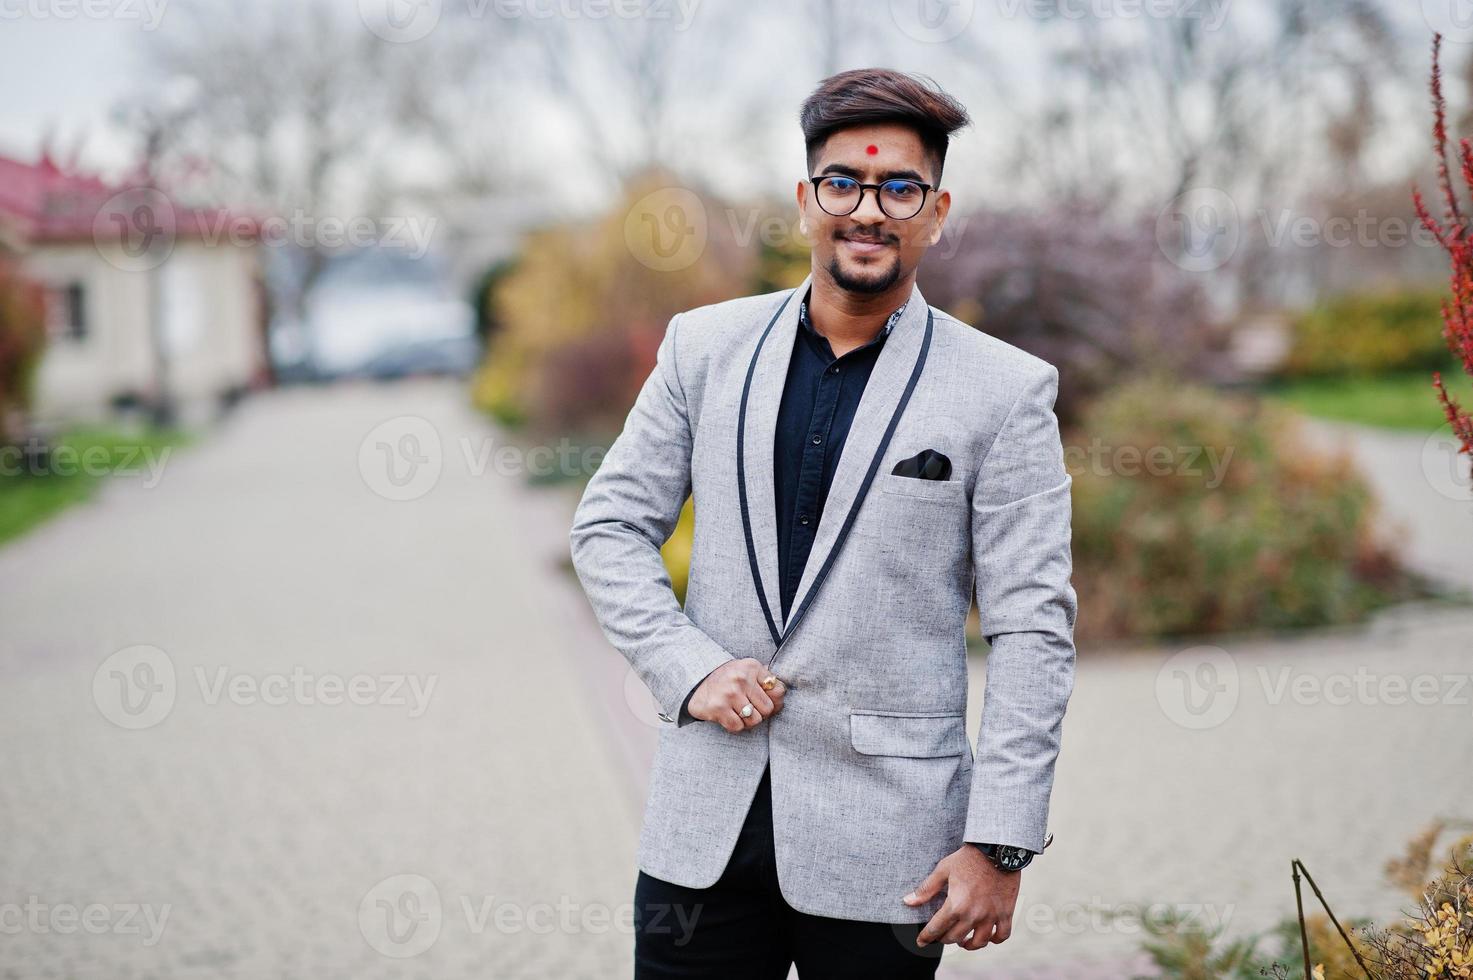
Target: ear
<point>943,208</point>
<point>801,195</point>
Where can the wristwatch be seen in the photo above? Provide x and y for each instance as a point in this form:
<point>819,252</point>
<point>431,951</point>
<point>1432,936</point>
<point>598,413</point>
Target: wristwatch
<point>1006,857</point>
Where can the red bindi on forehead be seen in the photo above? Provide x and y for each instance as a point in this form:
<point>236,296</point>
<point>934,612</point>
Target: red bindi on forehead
<point>872,149</point>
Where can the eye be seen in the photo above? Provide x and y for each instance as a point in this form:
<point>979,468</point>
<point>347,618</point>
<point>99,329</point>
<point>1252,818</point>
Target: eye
<point>842,185</point>
<point>900,189</point>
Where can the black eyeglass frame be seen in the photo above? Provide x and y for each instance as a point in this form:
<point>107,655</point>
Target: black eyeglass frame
<point>879,201</point>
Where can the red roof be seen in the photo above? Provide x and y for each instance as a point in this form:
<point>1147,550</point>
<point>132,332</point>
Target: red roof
<point>47,204</point>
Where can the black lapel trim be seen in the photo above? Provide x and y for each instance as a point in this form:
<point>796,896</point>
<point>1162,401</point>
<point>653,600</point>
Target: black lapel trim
<point>742,473</point>
<point>779,637</point>
<point>874,465</point>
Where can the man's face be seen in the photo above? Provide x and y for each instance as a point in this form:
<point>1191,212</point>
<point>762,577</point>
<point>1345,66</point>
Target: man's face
<point>867,251</point>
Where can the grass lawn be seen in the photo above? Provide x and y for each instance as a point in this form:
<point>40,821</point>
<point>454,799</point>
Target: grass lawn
<point>1392,401</point>
<point>81,460</point>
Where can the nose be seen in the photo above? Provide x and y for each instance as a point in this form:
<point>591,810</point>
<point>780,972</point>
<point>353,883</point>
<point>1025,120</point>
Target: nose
<point>869,206</point>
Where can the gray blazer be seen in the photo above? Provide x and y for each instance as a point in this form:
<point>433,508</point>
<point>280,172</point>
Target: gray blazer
<point>873,778</point>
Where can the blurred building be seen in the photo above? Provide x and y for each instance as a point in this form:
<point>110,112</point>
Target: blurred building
<point>146,301</point>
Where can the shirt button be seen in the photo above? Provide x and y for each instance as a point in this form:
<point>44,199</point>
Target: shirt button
<point>803,519</point>
<point>834,369</point>
<point>818,440</point>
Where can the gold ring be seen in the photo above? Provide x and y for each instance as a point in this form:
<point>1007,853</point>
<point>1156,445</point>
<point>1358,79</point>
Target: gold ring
<point>768,682</point>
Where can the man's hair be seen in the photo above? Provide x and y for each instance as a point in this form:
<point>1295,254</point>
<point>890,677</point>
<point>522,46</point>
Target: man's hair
<point>866,96</point>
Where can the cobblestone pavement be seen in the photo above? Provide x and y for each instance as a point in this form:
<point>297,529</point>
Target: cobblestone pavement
<point>1189,777</point>
<point>272,834</point>
<point>472,809</point>
<point>1423,485</point>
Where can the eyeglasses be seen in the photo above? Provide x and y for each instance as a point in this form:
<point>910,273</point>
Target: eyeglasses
<point>899,198</point>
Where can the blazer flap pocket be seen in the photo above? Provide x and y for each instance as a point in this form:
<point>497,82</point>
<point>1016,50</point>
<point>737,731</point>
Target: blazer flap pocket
<point>915,734</point>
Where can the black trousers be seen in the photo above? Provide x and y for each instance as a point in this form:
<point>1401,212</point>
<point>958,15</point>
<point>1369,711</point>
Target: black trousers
<point>742,927</point>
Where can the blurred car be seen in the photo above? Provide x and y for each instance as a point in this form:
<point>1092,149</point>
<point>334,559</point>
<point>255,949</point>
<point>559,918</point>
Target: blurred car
<point>437,356</point>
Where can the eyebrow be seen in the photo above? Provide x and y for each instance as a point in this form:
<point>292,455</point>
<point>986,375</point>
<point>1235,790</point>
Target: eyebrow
<point>846,171</point>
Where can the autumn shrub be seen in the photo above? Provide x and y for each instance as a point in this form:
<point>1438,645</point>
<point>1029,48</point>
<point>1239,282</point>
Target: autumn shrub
<point>22,341</point>
<point>1367,333</point>
<point>582,312</point>
<point>677,550</point>
<point>1433,941</point>
<point>1199,512</point>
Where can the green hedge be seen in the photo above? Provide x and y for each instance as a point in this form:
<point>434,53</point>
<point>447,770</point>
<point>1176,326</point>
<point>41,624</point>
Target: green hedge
<point>1368,333</point>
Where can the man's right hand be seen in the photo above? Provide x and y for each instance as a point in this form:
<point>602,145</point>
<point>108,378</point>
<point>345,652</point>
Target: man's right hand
<point>727,689</point>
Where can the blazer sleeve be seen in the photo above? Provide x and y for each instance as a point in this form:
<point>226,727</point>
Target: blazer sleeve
<point>627,513</point>
<point>1021,526</point>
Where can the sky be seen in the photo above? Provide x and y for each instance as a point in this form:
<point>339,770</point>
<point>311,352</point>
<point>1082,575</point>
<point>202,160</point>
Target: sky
<point>64,63</point>
<point>62,72</point>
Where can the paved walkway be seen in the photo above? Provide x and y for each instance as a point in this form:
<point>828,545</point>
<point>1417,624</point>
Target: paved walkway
<point>273,832</point>
<point>475,813</point>
<point>1425,491</point>
<point>1191,776</point>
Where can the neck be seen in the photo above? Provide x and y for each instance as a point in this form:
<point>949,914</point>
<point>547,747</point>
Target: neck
<point>848,319</point>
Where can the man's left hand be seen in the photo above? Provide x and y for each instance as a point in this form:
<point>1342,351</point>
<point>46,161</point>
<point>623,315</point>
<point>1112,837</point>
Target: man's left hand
<point>979,900</point>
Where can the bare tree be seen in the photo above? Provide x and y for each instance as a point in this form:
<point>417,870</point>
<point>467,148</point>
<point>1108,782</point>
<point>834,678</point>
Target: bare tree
<point>296,112</point>
<point>1264,105</point>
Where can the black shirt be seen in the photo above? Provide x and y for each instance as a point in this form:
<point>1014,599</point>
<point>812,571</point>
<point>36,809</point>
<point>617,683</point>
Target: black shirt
<point>819,400</point>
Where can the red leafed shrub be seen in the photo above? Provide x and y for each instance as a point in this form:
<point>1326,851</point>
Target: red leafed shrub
<point>22,339</point>
<point>1452,235</point>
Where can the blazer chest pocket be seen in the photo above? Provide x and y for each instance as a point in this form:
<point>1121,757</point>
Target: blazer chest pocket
<point>930,521</point>
<point>918,735</point>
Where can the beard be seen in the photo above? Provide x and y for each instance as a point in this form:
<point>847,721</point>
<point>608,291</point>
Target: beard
<point>871,281</point>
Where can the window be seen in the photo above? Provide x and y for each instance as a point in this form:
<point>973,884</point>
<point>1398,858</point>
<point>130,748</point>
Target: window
<point>66,312</point>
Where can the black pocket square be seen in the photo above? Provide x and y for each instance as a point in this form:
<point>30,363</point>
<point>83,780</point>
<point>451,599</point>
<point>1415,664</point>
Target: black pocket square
<point>927,464</point>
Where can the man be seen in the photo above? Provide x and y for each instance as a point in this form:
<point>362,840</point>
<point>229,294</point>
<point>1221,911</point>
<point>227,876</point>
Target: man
<point>861,464</point>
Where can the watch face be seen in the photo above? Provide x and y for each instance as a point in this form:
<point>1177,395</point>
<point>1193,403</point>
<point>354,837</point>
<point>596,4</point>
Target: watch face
<point>1011,858</point>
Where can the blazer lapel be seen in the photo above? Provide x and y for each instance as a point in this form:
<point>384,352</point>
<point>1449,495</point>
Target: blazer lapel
<point>880,406</point>
<point>762,395</point>
<point>894,376</point>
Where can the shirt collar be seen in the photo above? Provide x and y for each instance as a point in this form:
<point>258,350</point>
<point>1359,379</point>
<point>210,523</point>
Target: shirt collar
<point>803,319</point>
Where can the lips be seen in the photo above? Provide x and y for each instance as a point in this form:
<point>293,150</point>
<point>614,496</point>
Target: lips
<point>865,246</point>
